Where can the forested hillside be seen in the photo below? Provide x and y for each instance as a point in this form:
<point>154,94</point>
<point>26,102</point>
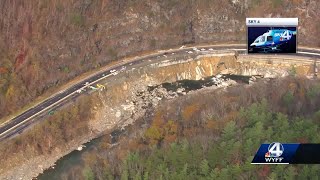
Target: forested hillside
<point>44,43</point>
<point>50,136</point>
<point>212,134</point>
<point>227,157</point>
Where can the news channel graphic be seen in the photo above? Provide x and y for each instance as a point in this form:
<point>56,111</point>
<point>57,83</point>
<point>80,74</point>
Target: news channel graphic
<point>272,35</point>
<point>277,153</point>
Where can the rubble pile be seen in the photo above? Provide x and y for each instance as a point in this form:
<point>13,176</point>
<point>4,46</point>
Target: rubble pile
<point>221,81</point>
<point>149,97</point>
<point>144,98</point>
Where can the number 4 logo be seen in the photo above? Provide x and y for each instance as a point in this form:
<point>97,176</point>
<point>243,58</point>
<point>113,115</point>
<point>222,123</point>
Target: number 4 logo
<point>275,149</point>
<point>286,35</point>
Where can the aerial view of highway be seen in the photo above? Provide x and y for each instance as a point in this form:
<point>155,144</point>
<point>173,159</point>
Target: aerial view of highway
<point>175,89</point>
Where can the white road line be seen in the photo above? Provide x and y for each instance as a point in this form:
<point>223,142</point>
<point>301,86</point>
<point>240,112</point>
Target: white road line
<point>269,163</point>
<point>155,54</point>
<point>302,52</point>
<point>237,49</point>
<point>299,52</point>
<point>48,107</point>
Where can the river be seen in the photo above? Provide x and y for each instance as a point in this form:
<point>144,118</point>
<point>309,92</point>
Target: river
<point>64,165</point>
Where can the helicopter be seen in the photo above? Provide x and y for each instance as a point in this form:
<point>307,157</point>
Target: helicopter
<point>272,40</point>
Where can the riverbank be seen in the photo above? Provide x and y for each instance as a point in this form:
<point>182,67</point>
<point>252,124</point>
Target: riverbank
<point>198,120</point>
<point>35,166</point>
<point>165,91</point>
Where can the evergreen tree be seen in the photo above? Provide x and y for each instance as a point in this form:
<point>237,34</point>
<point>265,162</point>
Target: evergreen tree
<point>184,171</point>
<point>236,171</point>
<point>272,176</point>
<point>214,174</point>
<point>137,176</point>
<point>224,174</point>
<point>88,174</point>
<point>204,167</point>
<point>125,175</point>
<point>146,175</point>
<point>289,173</point>
<point>229,131</point>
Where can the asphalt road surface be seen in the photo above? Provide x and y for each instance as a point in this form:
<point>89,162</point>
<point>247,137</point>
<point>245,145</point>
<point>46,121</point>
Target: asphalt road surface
<point>20,122</point>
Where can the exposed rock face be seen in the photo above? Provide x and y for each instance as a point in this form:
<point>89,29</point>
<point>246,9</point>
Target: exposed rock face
<point>127,96</point>
<point>272,66</point>
<point>145,97</point>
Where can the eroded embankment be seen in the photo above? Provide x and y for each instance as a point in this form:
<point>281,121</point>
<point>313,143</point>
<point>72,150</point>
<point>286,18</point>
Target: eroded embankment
<point>119,101</point>
<point>121,104</point>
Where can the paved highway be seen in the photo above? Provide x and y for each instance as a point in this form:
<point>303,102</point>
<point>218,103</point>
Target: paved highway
<point>23,120</point>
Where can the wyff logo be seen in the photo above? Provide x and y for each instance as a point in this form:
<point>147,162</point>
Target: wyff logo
<point>275,150</point>
<point>275,153</point>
